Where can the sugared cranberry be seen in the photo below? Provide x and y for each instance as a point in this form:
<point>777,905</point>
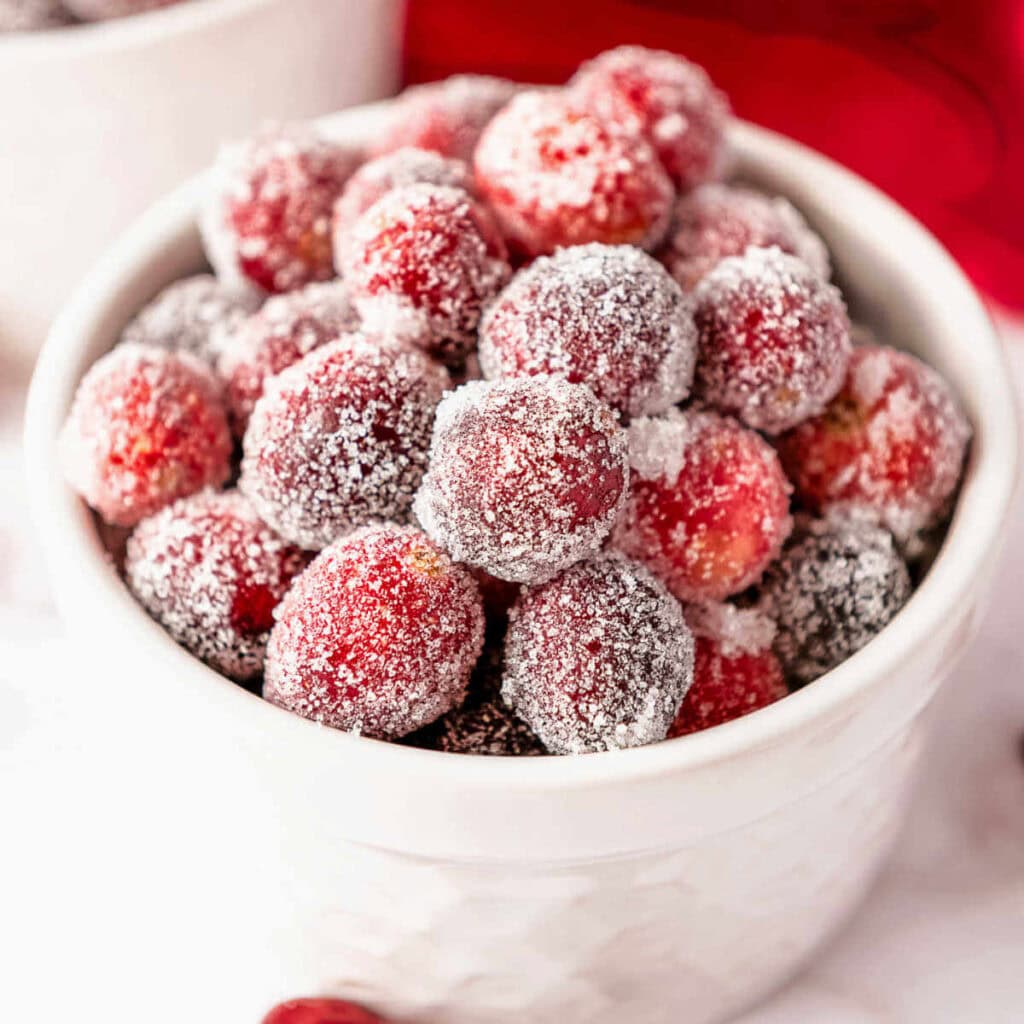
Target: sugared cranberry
<point>526,476</point>
<point>341,438</point>
<point>774,339</point>
<point>188,315</point>
<point>147,427</point>
<point>321,1011</point>
<point>665,98</point>
<point>597,658</point>
<point>606,316</point>
<point>735,670</point>
<point>716,221</point>
<point>556,174</point>
<point>375,179</point>
<point>421,263</point>
<point>287,328</point>
<point>709,507</point>
<point>211,573</point>
<point>445,117</point>
<point>379,635</point>
<point>267,217</point>
<point>890,446</point>
<point>837,584</point>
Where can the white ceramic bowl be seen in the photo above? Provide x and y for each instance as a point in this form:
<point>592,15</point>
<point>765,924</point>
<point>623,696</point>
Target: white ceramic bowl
<point>100,120</point>
<point>682,879</point>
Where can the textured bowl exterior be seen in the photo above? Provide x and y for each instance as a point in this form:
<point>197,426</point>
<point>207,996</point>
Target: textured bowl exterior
<point>687,877</point>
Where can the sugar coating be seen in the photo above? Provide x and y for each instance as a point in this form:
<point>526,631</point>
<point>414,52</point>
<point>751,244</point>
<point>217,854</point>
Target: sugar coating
<point>736,630</point>
<point>211,573</point>
<point>146,427</point>
<point>606,316</point>
<point>890,448</point>
<point>774,339</point>
<point>835,587</point>
<point>340,438</point>
<point>446,117</point>
<point>526,476</point>
<point>557,175</point>
<point>667,99</point>
<point>30,15</point>
<point>287,328</point>
<point>715,221</point>
<point>378,636</point>
<point>100,10</point>
<point>187,315</point>
<point>372,181</point>
<point>599,658</point>
<point>421,263</point>
<point>709,506</point>
<point>266,216</point>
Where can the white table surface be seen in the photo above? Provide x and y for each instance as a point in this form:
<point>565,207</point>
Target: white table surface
<point>940,939</point>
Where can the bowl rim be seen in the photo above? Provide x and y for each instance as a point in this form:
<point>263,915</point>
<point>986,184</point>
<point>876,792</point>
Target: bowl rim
<point>968,550</point>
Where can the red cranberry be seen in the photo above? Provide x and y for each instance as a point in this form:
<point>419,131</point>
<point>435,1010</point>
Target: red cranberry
<point>147,427</point>
<point>606,316</point>
<point>378,636</point>
<point>321,1011</point>
<point>526,476</point>
<point>774,339</point>
<point>709,507</point>
<point>556,175</point>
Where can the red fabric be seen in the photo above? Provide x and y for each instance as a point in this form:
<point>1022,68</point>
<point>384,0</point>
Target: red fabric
<point>926,99</point>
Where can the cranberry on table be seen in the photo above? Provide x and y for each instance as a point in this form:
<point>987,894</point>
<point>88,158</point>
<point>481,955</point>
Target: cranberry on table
<point>341,438</point>
<point>774,339</point>
<point>445,117</point>
<point>266,220</point>
<point>598,658</point>
<point>837,585</point>
<point>556,174</point>
<point>735,670</point>
<point>287,328</point>
<point>421,263</point>
<point>321,1011</point>
<point>212,573</point>
<point>606,316</point>
<point>715,221</point>
<point>379,635</point>
<point>667,99</point>
<point>890,447</point>
<point>709,506</point>
<point>147,426</point>
<point>526,476</point>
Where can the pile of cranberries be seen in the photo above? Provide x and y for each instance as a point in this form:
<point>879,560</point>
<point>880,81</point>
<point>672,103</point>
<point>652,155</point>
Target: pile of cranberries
<point>520,433</point>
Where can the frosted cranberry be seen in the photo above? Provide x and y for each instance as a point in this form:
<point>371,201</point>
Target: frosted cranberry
<point>321,1011</point>
<point>31,15</point>
<point>890,446</point>
<point>774,339</point>
<point>421,263</point>
<point>188,315</point>
<point>147,427</point>
<point>379,635</point>
<point>835,587</point>
<point>598,658</point>
<point>526,476</point>
<point>287,328</point>
<point>267,217</point>
<point>709,507</point>
<point>556,175</point>
<point>211,573</point>
<point>606,316</point>
<point>340,438</point>
<point>446,117</point>
<point>716,221</point>
<point>663,97</point>
<point>375,179</point>
<point>735,670</point>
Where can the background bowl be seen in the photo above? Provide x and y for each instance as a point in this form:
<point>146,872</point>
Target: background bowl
<point>99,120</point>
<point>261,856</point>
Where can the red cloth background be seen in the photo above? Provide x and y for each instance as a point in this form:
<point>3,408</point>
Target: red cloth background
<point>925,99</point>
